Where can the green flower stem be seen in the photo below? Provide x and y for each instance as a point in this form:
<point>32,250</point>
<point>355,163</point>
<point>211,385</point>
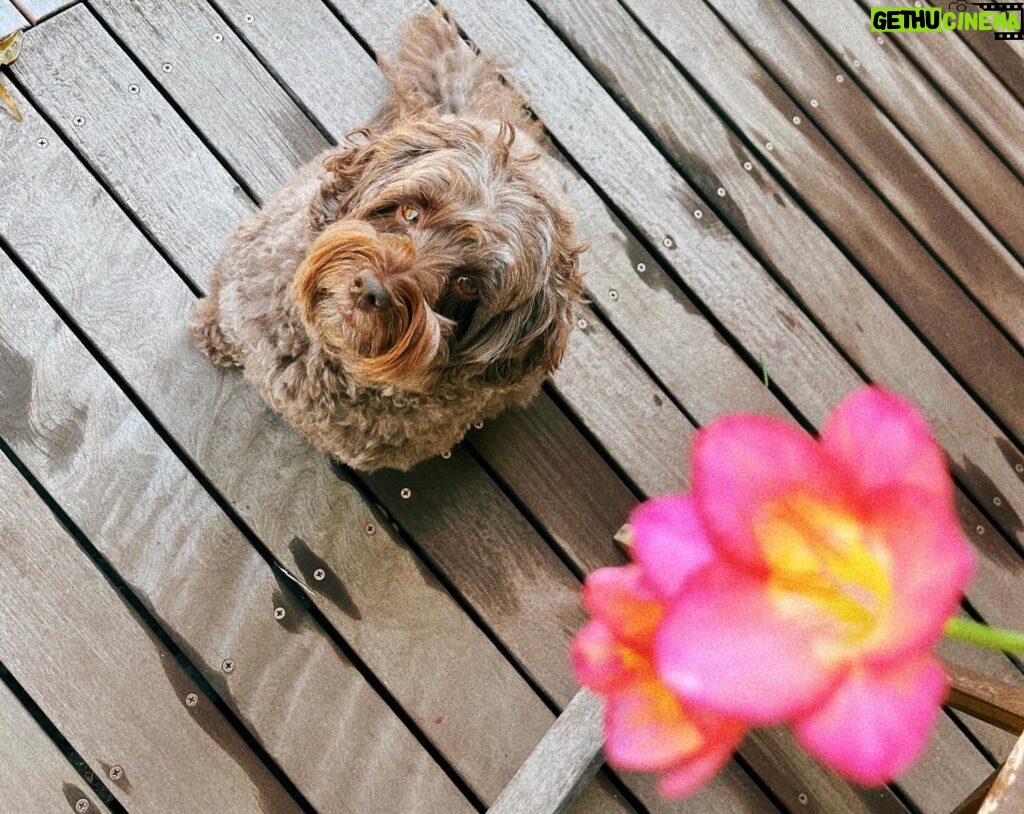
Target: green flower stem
<point>993,638</point>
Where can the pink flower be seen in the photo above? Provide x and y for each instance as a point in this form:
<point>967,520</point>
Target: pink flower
<point>801,582</point>
<point>648,728</point>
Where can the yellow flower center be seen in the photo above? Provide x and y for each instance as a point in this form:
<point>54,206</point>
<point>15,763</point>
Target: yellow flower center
<point>828,568</point>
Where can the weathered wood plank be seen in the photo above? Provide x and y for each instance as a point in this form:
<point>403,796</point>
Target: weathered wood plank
<point>877,340</point>
<point>67,636</point>
<point>393,612</point>
<point>196,573</point>
<point>36,10</point>
<point>794,60</point>
<point>1007,793</point>
<point>742,88</point>
<point>927,120</point>
<point>10,19</point>
<point>36,776</point>
<point>556,771</point>
<point>968,84</point>
<point>229,95</point>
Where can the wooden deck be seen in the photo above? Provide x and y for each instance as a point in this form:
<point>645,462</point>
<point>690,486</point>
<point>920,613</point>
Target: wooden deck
<point>767,189</point>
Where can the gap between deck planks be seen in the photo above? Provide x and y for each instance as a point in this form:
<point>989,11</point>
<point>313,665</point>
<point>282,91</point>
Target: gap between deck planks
<point>196,573</point>
<point>410,633</point>
<point>36,775</point>
<point>67,637</point>
<point>968,84</point>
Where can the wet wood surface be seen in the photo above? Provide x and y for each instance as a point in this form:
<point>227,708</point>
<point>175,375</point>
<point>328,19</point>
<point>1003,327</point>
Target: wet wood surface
<point>748,215</point>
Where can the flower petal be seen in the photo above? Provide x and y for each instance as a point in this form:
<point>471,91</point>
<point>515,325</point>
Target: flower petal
<point>727,645</point>
<point>693,773</point>
<point>669,542</point>
<point>930,563</point>
<point>620,598</point>
<point>602,663</point>
<point>882,440</point>
<point>646,728</point>
<point>876,724</point>
<point>741,463</point>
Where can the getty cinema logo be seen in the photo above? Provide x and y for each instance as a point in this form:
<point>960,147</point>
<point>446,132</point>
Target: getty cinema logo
<point>1002,18</point>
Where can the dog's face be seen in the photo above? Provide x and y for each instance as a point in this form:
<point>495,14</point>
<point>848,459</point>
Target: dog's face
<point>441,257</point>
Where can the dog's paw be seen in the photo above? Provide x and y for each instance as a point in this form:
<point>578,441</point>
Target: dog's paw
<point>208,337</point>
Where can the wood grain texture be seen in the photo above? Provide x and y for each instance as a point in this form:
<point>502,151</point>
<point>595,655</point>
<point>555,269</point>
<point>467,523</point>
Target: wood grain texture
<point>556,771</point>
<point>36,10</point>
<point>979,695</point>
<point>67,636</point>
<point>219,83</point>
<point>968,84</point>
<point>195,572</point>
<point>129,301</point>
<point>928,121</point>
<point>818,272</point>
<point>10,19</point>
<point>1007,793</point>
<point>985,465</point>
<point>91,96</point>
<point>890,161</point>
<point>36,776</point>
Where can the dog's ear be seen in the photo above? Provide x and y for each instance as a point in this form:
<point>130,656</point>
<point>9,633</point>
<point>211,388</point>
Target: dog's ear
<point>531,339</point>
<point>344,168</point>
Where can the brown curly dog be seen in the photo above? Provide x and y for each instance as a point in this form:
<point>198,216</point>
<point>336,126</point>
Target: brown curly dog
<point>412,282</point>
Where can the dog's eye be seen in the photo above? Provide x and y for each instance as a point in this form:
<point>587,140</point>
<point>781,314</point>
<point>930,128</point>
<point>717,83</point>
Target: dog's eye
<point>410,214</point>
<point>466,287</point>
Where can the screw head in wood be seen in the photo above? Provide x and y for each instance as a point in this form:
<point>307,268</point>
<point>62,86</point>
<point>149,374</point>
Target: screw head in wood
<point>191,699</point>
<point>748,166</point>
<point>814,102</point>
<point>641,267</point>
<point>447,454</point>
<point>613,294</point>
<point>478,425</point>
<point>880,40</point>
<point>698,214</point>
<point>167,67</point>
<point>581,323</point>
<point>79,121</point>
<point>856,63</point>
<point>980,529</point>
<point>115,773</point>
<point>721,192</point>
<point>797,120</point>
<point>218,37</point>
<point>406,493</point>
<point>249,18</point>
<point>319,575</point>
<point>82,805</point>
<point>279,612</point>
<point>667,243</point>
<point>228,665</point>
<point>372,529</point>
<point>133,88</point>
<point>839,78</point>
<point>997,501</point>
<point>802,798</point>
<point>769,146</point>
<point>42,143</point>
<point>1018,468</point>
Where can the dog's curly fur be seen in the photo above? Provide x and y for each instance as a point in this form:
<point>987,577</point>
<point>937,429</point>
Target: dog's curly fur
<point>414,281</point>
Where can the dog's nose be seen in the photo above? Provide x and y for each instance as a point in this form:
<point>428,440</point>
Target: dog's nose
<point>369,293</point>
